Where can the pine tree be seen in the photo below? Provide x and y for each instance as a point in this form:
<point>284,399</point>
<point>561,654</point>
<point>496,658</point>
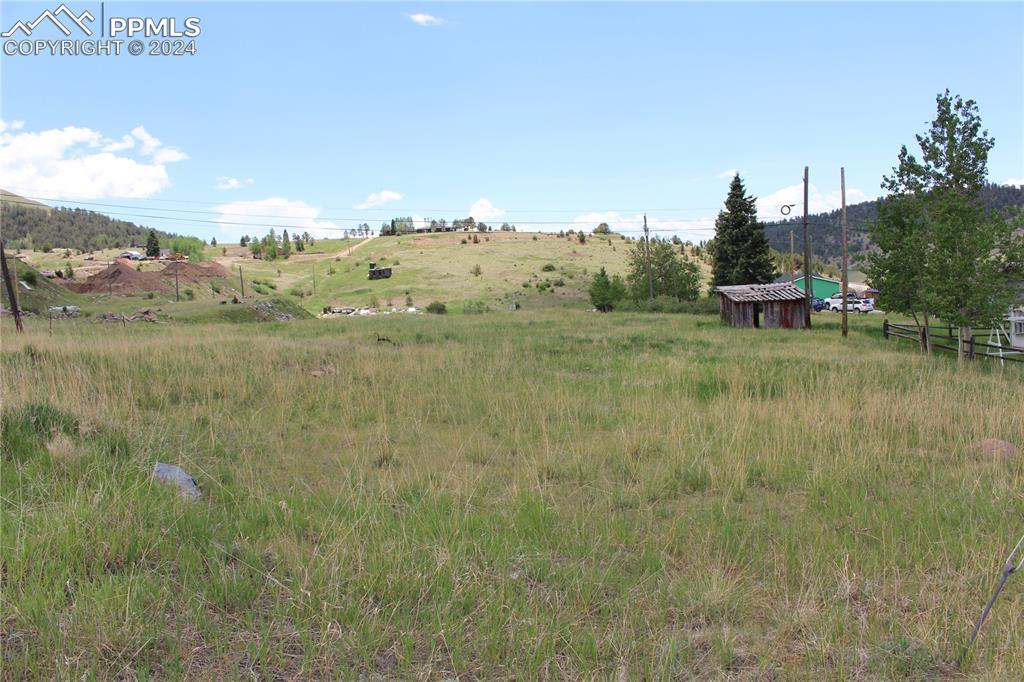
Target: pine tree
<point>152,245</point>
<point>606,293</point>
<point>741,252</point>
<point>286,245</point>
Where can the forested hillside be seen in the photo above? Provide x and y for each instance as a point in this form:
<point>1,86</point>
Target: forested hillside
<point>826,230</point>
<point>29,225</point>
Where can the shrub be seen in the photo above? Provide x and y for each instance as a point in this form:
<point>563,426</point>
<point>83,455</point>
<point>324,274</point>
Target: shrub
<point>548,267</point>
<point>559,282</point>
<point>437,308</point>
<point>190,295</point>
<point>150,295</point>
<point>534,237</point>
<point>476,271</point>
<point>668,304</point>
<point>462,241</point>
<point>527,285</point>
<point>29,277</point>
<point>475,308</point>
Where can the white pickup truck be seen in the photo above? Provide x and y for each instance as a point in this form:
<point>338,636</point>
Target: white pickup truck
<point>854,304</point>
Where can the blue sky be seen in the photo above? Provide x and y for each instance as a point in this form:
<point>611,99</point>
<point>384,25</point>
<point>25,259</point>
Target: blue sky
<point>321,115</point>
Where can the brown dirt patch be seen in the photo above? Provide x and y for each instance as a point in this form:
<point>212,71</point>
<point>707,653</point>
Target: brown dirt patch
<point>119,278</point>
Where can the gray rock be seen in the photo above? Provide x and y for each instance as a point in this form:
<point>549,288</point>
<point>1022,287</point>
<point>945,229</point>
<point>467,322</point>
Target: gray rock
<point>168,473</point>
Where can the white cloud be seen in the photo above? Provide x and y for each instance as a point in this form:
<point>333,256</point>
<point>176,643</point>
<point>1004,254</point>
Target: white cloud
<point>426,19</point>
<point>770,207</point>
<point>256,217</point>
<point>81,163</point>
<point>227,182</point>
<point>727,173</point>
<point>1014,181</point>
<point>379,199</point>
<point>483,210</point>
<point>126,142</point>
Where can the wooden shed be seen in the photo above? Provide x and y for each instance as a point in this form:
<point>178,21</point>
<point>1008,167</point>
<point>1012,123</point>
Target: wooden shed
<point>783,306</point>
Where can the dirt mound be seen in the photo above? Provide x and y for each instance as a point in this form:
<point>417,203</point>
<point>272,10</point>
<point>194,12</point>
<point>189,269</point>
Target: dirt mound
<point>119,278</point>
<point>193,272</point>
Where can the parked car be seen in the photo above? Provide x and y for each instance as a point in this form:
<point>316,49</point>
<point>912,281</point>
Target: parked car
<point>854,304</point>
<point>864,305</point>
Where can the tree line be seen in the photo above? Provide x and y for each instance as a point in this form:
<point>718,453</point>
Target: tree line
<point>272,247</point>
<point>826,233</point>
<point>43,229</point>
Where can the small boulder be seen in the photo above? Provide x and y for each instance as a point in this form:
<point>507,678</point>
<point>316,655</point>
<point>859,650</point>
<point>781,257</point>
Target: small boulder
<point>993,447</point>
<point>168,473</point>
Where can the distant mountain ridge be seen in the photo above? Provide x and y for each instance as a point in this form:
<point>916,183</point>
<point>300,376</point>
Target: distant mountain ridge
<point>826,229</point>
<point>28,224</point>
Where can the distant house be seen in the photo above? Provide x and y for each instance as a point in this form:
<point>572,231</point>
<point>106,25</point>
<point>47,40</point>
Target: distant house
<point>783,305</point>
<point>822,287</point>
<point>165,253</point>
<point>131,255</point>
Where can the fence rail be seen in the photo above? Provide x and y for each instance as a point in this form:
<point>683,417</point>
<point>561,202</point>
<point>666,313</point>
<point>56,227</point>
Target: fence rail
<point>926,338</point>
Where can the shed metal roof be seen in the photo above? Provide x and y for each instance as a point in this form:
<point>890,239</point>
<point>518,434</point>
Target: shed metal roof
<point>757,293</point>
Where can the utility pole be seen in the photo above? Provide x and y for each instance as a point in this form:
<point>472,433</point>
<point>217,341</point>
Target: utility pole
<point>647,253</point>
<point>808,277</point>
<point>846,283</point>
<point>792,256</point>
<point>241,281</point>
<point>176,297</point>
<point>12,288</point>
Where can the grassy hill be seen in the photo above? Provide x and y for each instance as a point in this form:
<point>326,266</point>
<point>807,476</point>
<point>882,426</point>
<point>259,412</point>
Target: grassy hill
<point>428,267</point>
<point>14,199</point>
<point>42,293</point>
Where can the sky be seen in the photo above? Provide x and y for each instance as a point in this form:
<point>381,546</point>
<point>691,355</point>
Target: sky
<point>320,116</point>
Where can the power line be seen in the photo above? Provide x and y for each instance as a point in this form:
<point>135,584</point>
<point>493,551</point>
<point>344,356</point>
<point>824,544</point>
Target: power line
<point>38,195</point>
<point>262,224</point>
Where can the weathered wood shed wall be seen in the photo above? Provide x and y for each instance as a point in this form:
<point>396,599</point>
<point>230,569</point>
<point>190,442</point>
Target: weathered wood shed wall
<point>783,306</point>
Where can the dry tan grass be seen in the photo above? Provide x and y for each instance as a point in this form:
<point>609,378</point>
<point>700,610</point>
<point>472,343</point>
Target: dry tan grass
<point>516,496</point>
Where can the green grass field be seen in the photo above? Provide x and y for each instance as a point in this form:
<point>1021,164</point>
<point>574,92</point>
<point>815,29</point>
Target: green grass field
<point>538,495</point>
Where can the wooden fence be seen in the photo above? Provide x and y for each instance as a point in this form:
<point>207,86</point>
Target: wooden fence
<point>973,348</point>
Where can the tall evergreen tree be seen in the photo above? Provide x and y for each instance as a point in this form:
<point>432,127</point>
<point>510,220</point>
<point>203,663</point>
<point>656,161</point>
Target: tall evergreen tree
<point>286,245</point>
<point>741,253</point>
<point>152,245</point>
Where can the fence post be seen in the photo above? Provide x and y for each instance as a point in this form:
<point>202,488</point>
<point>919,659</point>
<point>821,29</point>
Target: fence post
<point>970,348</point>
<point>923,333</point>
<point>885,328</point>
